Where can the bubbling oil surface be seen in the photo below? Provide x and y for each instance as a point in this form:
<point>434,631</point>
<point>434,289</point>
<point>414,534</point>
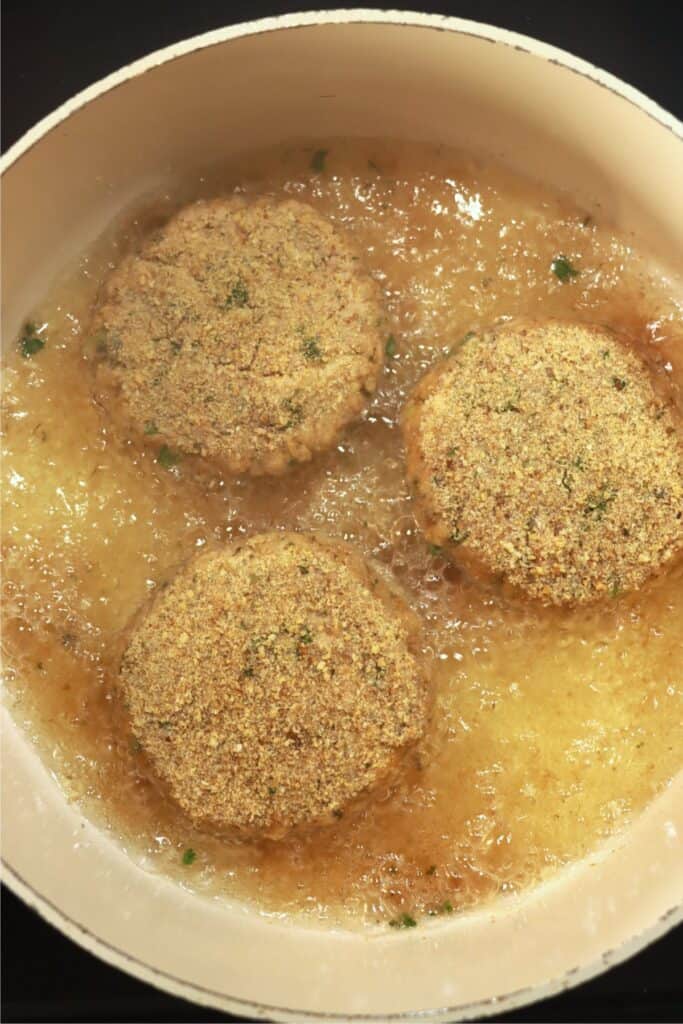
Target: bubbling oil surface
<point>552,728</point>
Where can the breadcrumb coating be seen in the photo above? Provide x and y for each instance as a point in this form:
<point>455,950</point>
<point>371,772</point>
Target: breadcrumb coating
<point>541,453</point>
<point>274,683</point>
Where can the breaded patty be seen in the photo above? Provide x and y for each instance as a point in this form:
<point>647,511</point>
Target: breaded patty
<point>243,331</point>
<point>541,453</point>
<point>275,682</point>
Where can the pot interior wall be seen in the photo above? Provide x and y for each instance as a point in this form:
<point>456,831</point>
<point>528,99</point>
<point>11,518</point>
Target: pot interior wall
<point>360,79</point>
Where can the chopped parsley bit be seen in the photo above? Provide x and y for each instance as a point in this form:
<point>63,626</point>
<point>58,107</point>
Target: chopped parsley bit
<point>563,269</point>
<point>509,407</point>
<point>434,549</point>
<point>151,427</point>
<point>135,745</point>
<point>615,589</point>
<point>164,725</point>
<point>458,535</point>
<point>29,342</point>
<point>318,160</point>
<point>431,870</point>
<point>247,672</point>
<point>337,813</point>
<point>176,346</point>
<point>304,570</point>
<point>451,452</point>
<point>599,502</point>
<point>167,458</point>
<point>189,857</point>
<point>445,908</point>
<point>306,637</point>
<point>403,921</point>
<point>619,383</point>
<point>391,347</point>
<point>272,790</point>
<point>311,347</point>
<point>604,353</point>
<point>100,340</point>
<point>239,296</point>
<point>296,413</point>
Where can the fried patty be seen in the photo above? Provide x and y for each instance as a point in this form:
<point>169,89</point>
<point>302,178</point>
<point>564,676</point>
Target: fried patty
<point>247,332</point>
<point>541,453</point>
<point>274,683</point>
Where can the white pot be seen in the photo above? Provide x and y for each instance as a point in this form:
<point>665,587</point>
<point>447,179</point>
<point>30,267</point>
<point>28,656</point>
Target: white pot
<point>400,75</point>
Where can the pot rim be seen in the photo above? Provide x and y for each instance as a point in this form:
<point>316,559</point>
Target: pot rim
<point>51,913</point>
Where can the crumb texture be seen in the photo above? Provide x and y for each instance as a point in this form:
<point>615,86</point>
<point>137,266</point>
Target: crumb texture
<point>542,453</point>
<point>272,683</point>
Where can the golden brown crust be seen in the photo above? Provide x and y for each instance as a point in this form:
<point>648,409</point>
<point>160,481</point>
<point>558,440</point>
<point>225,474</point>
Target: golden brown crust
<point>246,332</point>
<point>541,453</point>
<point>274,683</point>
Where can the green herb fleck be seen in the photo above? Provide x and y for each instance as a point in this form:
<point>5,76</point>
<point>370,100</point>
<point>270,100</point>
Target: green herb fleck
<point>615,589</point>
<point>304,570</point>
<point>509,406</point>
<point>239,296</point>
<point>100,340</point>
<point>189,857</point>
<point>337,813</point>
<point>391,347</point>
<point>306,637</point>
<point>563,269</point>
<point>296,413</point>
<point>598,503</point>
<point>403,921</point>
<point>446,907</point>
<point>30,343</point>
<point>151,427</point>
<point>434,549</point>
<point>318,160</point>
<point>247,672</point>
<point>311,347</point>
<point>272,790</point>
<point>619,383</point>
<point>135,745</point>
<point>167,458</point>
<point>458,535</point>
<point>451,452</point>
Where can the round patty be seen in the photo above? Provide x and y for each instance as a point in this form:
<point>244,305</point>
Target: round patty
<point>541,453</point>
<point>247,332</point>
<point>273,683</point>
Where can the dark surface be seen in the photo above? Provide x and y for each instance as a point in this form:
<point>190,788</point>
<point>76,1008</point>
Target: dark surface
<point>51,51</point>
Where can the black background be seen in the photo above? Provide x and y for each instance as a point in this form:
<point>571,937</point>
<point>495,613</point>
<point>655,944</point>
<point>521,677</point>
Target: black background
<point>50,52</point>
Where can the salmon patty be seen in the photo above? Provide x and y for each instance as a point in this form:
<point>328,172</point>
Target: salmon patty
<point>541,453</point>
<point>274,684</point>
<point>247,332</point>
